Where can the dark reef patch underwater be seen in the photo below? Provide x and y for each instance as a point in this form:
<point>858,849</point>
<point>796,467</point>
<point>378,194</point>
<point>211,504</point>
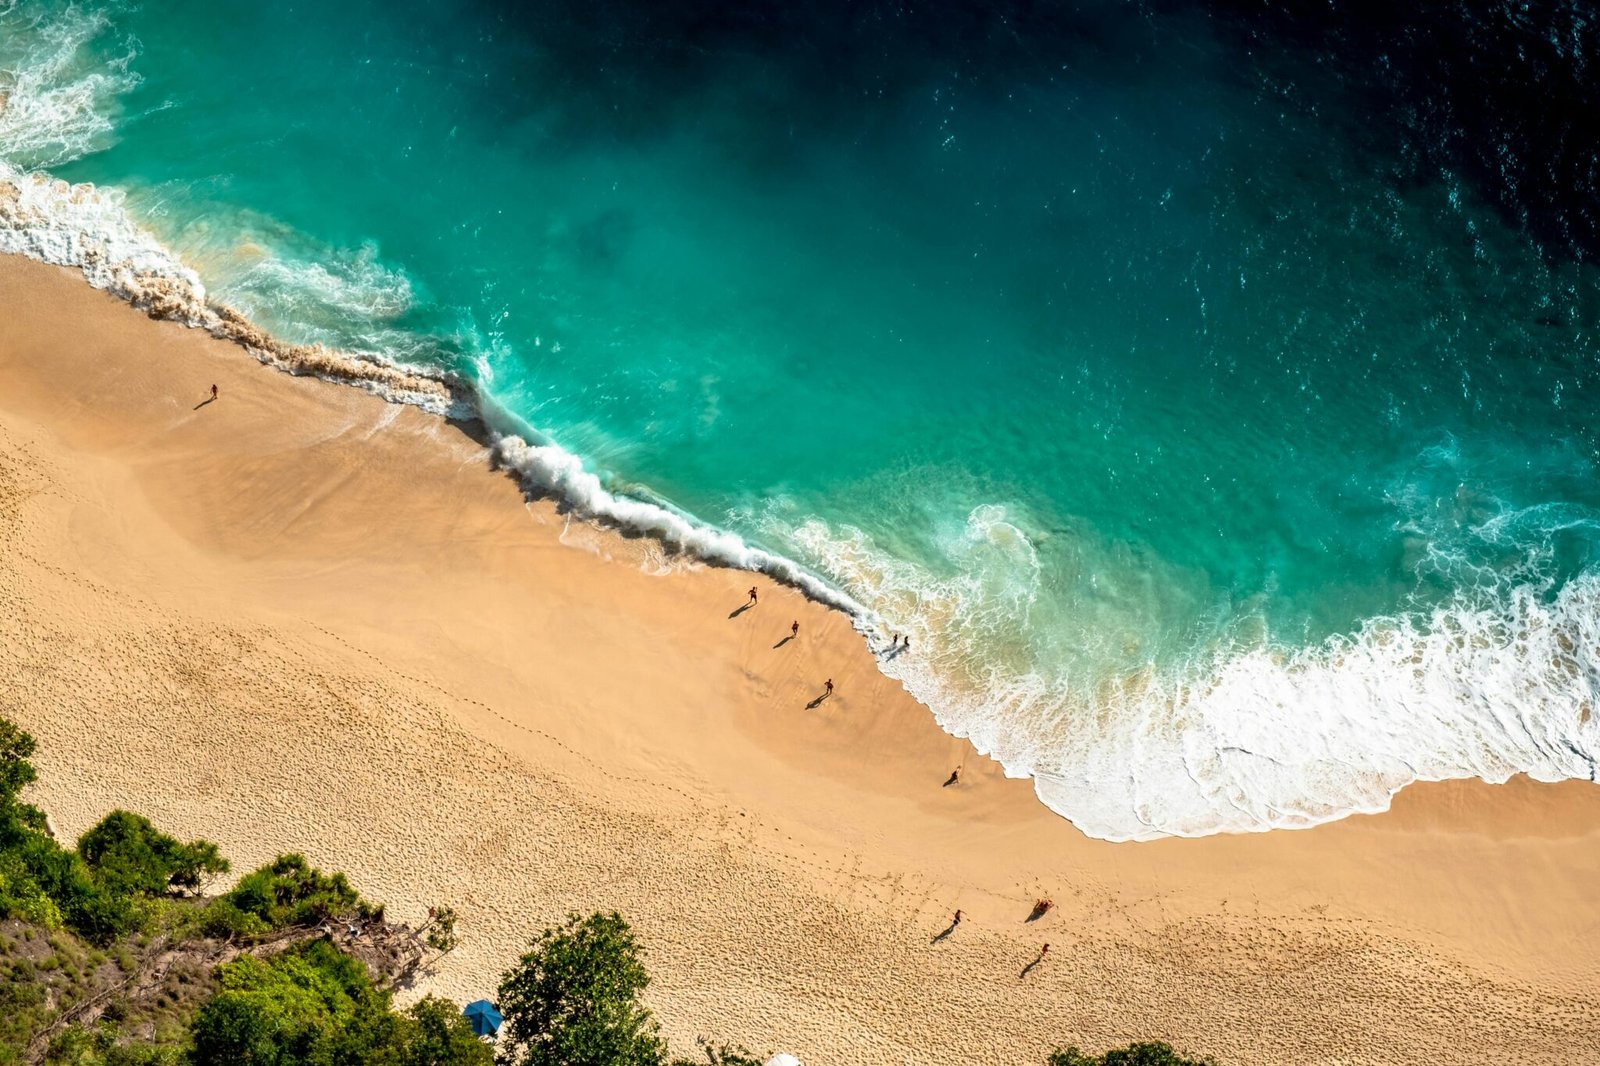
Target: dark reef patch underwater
<point>1207,388</point>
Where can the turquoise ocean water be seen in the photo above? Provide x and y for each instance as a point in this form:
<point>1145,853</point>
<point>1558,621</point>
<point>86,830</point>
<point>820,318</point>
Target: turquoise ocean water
<point>1209,394</point>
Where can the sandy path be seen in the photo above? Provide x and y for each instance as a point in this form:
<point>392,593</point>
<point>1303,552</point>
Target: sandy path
<point>301,618</point>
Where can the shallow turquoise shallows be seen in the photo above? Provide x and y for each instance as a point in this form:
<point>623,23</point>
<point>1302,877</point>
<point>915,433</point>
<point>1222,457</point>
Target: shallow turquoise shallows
<point>1226,470</point>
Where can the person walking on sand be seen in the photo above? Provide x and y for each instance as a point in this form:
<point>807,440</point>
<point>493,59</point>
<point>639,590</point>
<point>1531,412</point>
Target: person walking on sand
<point>956,920</point>
<point>827,687</point>
<point>794,630</point>
<point>213,392</point>
<point>752,595</point>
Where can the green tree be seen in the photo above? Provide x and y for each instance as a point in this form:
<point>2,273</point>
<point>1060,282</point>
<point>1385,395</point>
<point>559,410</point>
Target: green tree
<point>16,773</point>
<point>38,878</point>
<point>315,1006</point>
<point>287,892</point>
<point>237,1029</point>
<point>21,895</point>
<point>304,1006</point>
<point>88,909</point>
<point>16,748</point>
<point>573,999</point>
<point>438,1035</point>
<point>441,929</point>
<point>131,856</point>
<point>1142,1054</point>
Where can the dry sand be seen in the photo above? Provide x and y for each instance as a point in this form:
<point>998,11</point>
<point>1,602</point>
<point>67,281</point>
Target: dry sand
<point>301,618</point>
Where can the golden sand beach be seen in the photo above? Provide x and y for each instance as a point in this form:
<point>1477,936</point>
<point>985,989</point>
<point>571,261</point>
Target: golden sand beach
<point>300,618</point>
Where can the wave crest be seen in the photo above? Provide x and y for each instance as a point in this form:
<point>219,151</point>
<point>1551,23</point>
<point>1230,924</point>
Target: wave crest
<point>58,99</point>
<point>548,468</point>
<point>1493,683</point>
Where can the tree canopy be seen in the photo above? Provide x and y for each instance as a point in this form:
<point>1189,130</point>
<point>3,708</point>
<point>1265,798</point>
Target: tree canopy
<point>107,886</point>
<point>131,856</point>
<point>1153,1053</point>
<point>288,891</point>
<point>315,1006</point>
<point>573,999</point>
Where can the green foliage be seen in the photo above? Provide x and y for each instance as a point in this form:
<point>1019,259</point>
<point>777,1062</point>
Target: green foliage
<point>287,892</point>
<point>1142,1054</point>
<point>17,819</point>
<point>294,1009</point>
<point>236,1029</point>
<point>95,913</point>
<point>309,1006</point>
<point>439,1035</point>
<point>573,999</point>
<point>22,1008</point>
<point>314,1006</point>
<point>101,890</point>
<point>21,895</point>
<point>16,772</point>
<point>441,929</point>
<point>225,921</point>
<point>132,857</point>
<point>143,1055</point>
<point>98,1046</point>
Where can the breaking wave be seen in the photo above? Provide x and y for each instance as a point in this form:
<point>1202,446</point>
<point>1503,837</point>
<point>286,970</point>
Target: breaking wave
<point>1490,684</point>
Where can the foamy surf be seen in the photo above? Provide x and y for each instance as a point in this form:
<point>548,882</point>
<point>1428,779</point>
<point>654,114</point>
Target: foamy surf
<point>1492,684</point>
<point>58,102</point>
<point>549,469</point>
<point>87,228</point>
<point>57,109</point>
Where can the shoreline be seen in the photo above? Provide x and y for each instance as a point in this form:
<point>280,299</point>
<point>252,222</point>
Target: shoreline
<point>43,219</point>
<point>314,606</point>
<point>85,228</point>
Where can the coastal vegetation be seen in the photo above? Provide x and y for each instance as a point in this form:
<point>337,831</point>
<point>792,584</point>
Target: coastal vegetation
<point>314,1004</point>
<point>111,955</point>
<point>1154,1053</point>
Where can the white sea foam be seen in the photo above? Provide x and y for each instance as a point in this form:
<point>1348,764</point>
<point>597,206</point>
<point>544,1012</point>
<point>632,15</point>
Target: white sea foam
<point>1491,684</point>
<point>89,228</point>
<point>58,99</point>
<point>548,468</point>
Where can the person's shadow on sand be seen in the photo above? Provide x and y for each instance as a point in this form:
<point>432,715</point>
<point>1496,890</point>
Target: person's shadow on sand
<point>1026,970</point>
<point>942,937</point>
<point>741,610</point>
<point>782,642</point>
<point>208,400</point>
<point>818,702</point>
